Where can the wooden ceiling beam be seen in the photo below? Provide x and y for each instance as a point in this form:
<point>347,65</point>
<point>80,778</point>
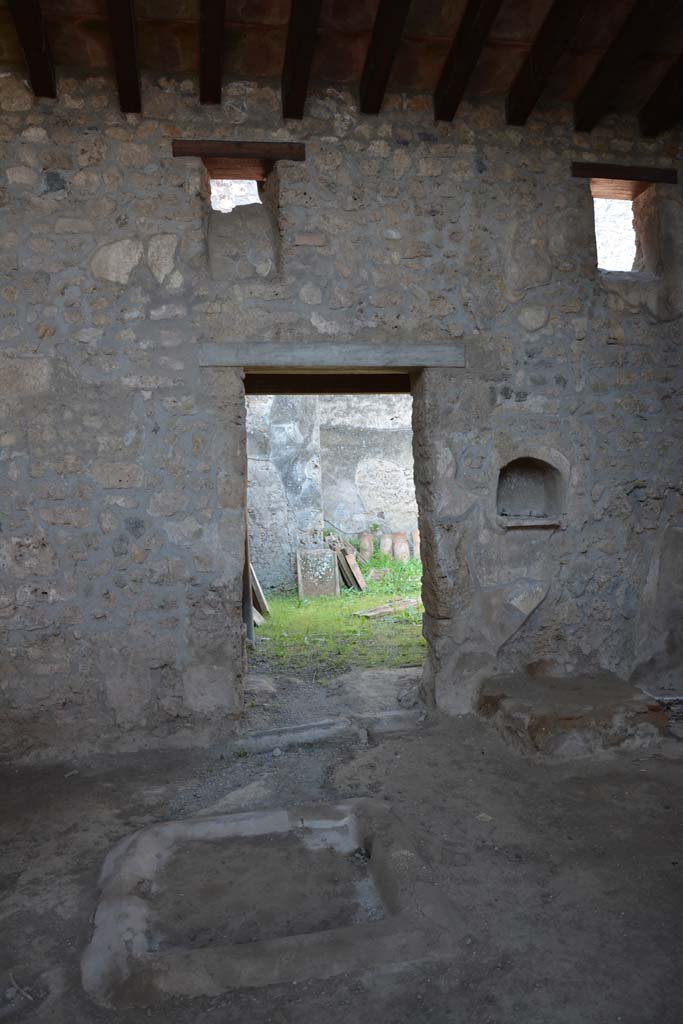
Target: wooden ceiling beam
<point>552,40</point>
<point>665,107</point>
<point>30,26</point>
<point>475,25</point>
<point>296,71</point>
<point>384,42</point>
<point>647,20</point>
<point>211,46</point>
<point>125,50</point>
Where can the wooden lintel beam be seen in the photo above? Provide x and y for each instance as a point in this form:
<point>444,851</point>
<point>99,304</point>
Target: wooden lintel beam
<point>326,383</point>
<point>211,40</point>
<point>30,26</point>
<point>647,20</point>
<point>475,25</point>
<point>301,38</point>
<point>552,40</point>
<point>239,150</point>
<point>625,172</point>
<point>125,50</point>
<point>384,42</point>
<point>664,109</point>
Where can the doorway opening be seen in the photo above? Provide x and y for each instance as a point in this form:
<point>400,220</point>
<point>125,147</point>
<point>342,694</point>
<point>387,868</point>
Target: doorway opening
<point>333,539</point>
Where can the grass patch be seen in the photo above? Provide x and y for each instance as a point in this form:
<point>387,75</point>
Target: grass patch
<point>322,637</point>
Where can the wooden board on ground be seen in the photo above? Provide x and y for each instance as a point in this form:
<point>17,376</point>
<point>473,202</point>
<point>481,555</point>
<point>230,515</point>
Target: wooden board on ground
<point>258,598</point>
<point>388,609</point>
<point>344,569</point>
<point>349,569</point>
<point>258,618</point>
<point>359,579</point>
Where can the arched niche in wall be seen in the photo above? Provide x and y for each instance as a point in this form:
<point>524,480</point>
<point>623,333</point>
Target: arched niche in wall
<point>530,492</point>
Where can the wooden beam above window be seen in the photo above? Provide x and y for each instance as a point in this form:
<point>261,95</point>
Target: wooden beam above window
<point>622,181</point>
<point>242,150</point>
<point>239,161</point>
<point>30,26</point>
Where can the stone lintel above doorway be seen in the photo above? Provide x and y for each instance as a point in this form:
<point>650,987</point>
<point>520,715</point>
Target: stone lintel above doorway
<point>320,355</point>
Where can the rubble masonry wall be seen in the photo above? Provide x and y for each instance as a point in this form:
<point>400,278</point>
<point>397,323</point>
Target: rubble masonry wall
<point>123,462</point>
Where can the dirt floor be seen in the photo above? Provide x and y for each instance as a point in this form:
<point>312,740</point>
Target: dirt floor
<point>561,882</point>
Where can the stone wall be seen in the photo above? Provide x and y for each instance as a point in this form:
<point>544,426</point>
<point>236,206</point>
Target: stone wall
<point>123,463</point>
<point>285,505</point>
<point>367,462</point>
<point>316,463</point>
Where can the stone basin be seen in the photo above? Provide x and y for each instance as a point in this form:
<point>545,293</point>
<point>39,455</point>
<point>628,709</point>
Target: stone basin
<point>205,905</point>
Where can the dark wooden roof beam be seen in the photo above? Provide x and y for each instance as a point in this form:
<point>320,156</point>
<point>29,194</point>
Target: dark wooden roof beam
<point>647,20</point>
<point>384,42</point>
<point>125,50</point>
<point>475,25</point>
<point>30,26</point>
<point>296,71</point>
<point>664,109</point>
<point>625,172</point>
<point>552,40</point>
<point>211,43</point>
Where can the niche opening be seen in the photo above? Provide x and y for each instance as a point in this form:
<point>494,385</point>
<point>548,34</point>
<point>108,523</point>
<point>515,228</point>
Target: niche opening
<point>530,493</point>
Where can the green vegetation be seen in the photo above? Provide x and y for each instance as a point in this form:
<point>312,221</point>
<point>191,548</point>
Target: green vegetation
<point>399,579</point>
<point>322,637</point>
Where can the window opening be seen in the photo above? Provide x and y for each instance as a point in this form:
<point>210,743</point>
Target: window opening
<point>227,193</point>
<point>625,213</point>
<point>615,234</point>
